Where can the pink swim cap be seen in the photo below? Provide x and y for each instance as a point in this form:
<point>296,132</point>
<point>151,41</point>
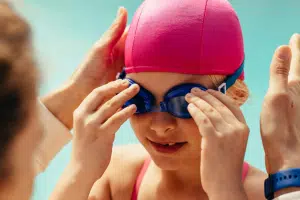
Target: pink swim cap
<point>185,36</point>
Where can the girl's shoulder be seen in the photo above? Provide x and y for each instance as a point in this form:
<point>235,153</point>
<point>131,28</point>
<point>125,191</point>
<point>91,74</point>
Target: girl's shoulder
<point>120,176</point>
<point>254,183</point>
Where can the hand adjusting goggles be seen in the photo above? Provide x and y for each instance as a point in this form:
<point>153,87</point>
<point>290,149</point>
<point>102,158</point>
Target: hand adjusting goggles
<point>174,100</point>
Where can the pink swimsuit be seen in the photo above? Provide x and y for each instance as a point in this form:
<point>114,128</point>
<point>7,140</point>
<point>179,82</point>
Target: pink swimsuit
<point>145,167</point>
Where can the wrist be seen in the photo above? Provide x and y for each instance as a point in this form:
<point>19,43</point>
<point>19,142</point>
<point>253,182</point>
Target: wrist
<point>228,192</point>
<point>282,182</point>
<point>286,191</point>
<point>63,101</point>
<point>90,169</point>
<point>78,173</point>
<point>229,195</point>
<point>73,184</point>
<point>282,159</point>
<point>82,87</point>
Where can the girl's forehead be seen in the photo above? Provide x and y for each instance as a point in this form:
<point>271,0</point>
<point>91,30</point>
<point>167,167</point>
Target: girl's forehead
<point>162,81</point>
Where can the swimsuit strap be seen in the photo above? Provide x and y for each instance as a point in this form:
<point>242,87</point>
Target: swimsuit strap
<point>146,165</point>
<point>245,171</point>
<point>140,178</point>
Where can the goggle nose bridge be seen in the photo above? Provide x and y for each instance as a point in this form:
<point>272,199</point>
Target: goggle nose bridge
<point>162,107</point>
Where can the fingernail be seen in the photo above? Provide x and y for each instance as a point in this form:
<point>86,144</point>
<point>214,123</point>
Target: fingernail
<point>191,105</point>
<point>124,82</point>
<point>196,90</point>
<point>296,36</point>
<point>295,40</point>
<point>134,86</point>
<point>189,95</point>
<point>120,11</point>
<point>133,107</point>
<point>284,52</point>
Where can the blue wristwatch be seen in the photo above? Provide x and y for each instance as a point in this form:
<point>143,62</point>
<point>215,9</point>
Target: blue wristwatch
<point>280,180</point>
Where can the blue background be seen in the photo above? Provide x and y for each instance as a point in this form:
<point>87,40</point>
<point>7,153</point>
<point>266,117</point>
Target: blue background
<point>64,30</point>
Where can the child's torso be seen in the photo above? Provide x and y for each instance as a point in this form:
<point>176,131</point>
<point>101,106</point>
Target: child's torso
<point>135,179</point>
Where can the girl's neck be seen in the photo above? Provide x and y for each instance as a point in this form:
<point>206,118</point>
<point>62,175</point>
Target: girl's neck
<point>187,176</point>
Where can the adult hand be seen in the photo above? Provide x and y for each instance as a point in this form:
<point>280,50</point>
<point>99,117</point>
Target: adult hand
<point>102,64</point>
<point>280,125</point>
<point>106,58</point>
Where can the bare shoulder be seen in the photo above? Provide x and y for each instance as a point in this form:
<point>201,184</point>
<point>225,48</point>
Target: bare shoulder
<point>126,163</point>
<point>119,178</point>
<point>254,183</point>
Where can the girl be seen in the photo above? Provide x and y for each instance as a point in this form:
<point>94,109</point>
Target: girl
<point>179,54</point>
<point>172,49</point>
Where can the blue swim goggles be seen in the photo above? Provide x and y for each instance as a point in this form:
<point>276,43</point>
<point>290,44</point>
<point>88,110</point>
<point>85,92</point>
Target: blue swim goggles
<point>174,100</point>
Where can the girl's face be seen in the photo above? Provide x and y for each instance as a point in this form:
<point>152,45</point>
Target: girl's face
<point>155,129</point>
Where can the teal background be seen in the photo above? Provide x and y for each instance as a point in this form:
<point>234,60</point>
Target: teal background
<point>64,30</point>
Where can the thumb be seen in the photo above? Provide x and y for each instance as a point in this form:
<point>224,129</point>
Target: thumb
<point>279,70</point>
<point>111,37</point>
<point>120,46</point>
<point>119,52</point>
<point>295,60</point>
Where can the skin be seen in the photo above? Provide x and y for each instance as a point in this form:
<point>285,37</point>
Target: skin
<point>21,159</point>
<point>100,66</point>
<point>77,179</point>
<point>94,133</point>
<point>131,157</point>
<point>108,52</point>
<point>169,176</point>
<point>282,105</point>
<point>169,180</point>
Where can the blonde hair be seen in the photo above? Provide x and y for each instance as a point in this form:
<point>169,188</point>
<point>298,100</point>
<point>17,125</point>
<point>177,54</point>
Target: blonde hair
<point>239,91</point>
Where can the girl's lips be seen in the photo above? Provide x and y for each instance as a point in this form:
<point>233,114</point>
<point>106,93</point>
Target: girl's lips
<point>166,147</point>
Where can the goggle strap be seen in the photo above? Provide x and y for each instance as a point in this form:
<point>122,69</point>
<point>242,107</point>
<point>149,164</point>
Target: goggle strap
<point>222,88</point>
<point>230,80</point>
<point>122,75</point>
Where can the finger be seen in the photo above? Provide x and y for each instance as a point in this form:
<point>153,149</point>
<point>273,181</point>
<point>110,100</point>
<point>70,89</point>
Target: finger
<point>279,70</point>
<point>113,124</point>
<point>98,95</point>
<point>120,46</point>
<point>221,108</point>
<point>111,106</point>
<point>111,37</point>
<point>119,52</point>
<point>213,115</point>
<point>228,103</point>
<point>295,60</point>
<point>205,126</point>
